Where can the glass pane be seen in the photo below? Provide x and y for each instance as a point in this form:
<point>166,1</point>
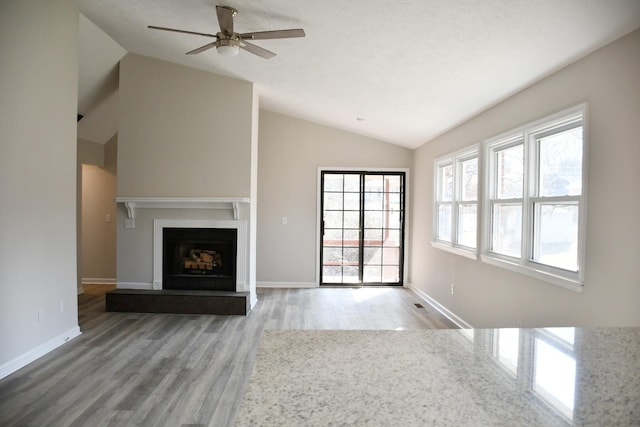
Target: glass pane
<point>351,219</point>
<point>373,219</point>
<point>557,235</point>
<point>509,172</point>
<point>351,238</point>
<point>333,182</point>
<point>467,225</point>
<point>391,256</point>
<point>372,255</point>
<point>333,219</point>
<point>506,236</point>
<point>393,183</point>
<point>333,201</point>
<point>373,236</point>
<point>352,183</point>
<point>332,256</point>
<point>351,201</point>
<point>332,237</point>
<point>350,275</point>
<point>390,273</point>
<point>444,222</point>
<point>469,179</point>
<point>392,238</point>
<point>374,183</point>
<point>392,201</point>
<point>445,176</point>
<point>372,273</point>
<point>351,256</point>
<point>392,219</point>
<point>331,274</point>
<point>373,201</point>
<point>561,163</point>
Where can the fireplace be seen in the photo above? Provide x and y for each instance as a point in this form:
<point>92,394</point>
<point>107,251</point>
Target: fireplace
<point>199,258</point>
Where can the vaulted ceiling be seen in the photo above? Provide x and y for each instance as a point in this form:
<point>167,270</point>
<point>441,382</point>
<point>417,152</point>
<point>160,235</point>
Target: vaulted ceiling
<point>401,71</point>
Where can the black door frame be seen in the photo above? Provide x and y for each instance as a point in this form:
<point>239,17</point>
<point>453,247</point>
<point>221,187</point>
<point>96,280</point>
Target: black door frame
<point>402,173</point>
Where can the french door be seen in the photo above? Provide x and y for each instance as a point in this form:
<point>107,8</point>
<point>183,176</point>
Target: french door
<point>362,228</point>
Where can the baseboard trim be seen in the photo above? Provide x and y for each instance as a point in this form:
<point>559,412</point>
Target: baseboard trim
<point>36,353</point>
<point>99,281</point>
<point>286,285</point>
<point>459,322</point>
<point>143,286</point>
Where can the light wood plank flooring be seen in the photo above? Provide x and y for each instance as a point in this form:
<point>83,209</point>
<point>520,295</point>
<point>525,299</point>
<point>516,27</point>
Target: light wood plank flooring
<point>182,370</point>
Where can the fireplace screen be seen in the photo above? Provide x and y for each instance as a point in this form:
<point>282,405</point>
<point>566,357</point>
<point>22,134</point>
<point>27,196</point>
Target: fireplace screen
<point>199,258</point>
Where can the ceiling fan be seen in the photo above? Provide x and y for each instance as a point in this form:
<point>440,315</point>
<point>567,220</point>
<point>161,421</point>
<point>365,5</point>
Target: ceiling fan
<point>229,43</point>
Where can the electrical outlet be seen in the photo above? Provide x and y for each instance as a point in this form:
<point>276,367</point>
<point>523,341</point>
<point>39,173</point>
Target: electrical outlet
<point>285,220</point>
<point>453,289</point>
<point>107,218</point>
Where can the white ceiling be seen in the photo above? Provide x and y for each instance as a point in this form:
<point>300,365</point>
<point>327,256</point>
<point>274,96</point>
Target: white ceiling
<point>401,71</point>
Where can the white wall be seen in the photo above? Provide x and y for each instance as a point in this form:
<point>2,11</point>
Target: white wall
<point>609,81</point>
<point>290,152</point>
<point>182,133</point>
<point>38,83</point>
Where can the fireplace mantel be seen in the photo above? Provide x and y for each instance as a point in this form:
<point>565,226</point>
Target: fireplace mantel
<point>133,203</point>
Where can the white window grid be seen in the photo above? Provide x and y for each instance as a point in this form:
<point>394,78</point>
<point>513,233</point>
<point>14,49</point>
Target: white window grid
<point>455,161</point>
<point>530,199</point>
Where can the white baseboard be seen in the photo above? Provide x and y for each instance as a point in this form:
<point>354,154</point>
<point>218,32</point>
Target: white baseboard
<point>98,281</point>
<point>286,285</point>
<point>461,323</point>
<point>135,285</point>
<point>28,357</point>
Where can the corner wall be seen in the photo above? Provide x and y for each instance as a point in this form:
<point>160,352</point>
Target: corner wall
<point>291,151</point>
<point>488,296</point>
<point>38,305</point>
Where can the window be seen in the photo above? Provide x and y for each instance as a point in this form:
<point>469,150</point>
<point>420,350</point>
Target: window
<point>456,202</point>
<point>534,200</point>
<point>529,199</point>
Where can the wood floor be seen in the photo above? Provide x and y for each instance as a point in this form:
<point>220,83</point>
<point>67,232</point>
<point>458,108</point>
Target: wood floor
<point>182,370</point>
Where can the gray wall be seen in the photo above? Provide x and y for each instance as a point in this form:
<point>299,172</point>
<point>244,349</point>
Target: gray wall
<point>96,189</point>
<point>608,80</point>
<point>290,152</point>
<point>98,234</point>
<point>39,48</point>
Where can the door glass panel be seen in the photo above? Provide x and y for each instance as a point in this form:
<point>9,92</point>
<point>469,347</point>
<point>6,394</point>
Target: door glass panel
<point>362,240</point>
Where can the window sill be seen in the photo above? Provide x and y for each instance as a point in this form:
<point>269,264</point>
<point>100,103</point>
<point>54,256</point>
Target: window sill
<point>545,276</point>
<point>467,253</point>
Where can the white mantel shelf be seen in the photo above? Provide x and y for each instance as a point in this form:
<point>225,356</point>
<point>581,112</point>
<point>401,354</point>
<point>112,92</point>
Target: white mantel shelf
<point>133,203</point>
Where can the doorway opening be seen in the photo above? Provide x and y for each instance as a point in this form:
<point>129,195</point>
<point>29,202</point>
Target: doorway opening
<point>362,228</point>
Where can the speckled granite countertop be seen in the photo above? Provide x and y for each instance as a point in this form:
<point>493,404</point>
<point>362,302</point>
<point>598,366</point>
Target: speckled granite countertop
<point>483,377</point>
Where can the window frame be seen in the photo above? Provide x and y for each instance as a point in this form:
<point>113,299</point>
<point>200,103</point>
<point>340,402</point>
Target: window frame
<point>529,135</point>
<point>455,160</point>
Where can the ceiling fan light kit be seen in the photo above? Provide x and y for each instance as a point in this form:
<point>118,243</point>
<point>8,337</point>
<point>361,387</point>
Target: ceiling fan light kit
<point>227,46</point>
<point>229,43</point>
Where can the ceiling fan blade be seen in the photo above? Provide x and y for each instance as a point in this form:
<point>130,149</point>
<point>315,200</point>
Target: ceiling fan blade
<point>202,48</point>
<point>181,31</point>
<point>225,19</point>
<point>256,50</point>
<point>276,34</point>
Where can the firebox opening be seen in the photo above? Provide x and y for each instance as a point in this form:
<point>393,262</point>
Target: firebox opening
<point>199,258</point>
